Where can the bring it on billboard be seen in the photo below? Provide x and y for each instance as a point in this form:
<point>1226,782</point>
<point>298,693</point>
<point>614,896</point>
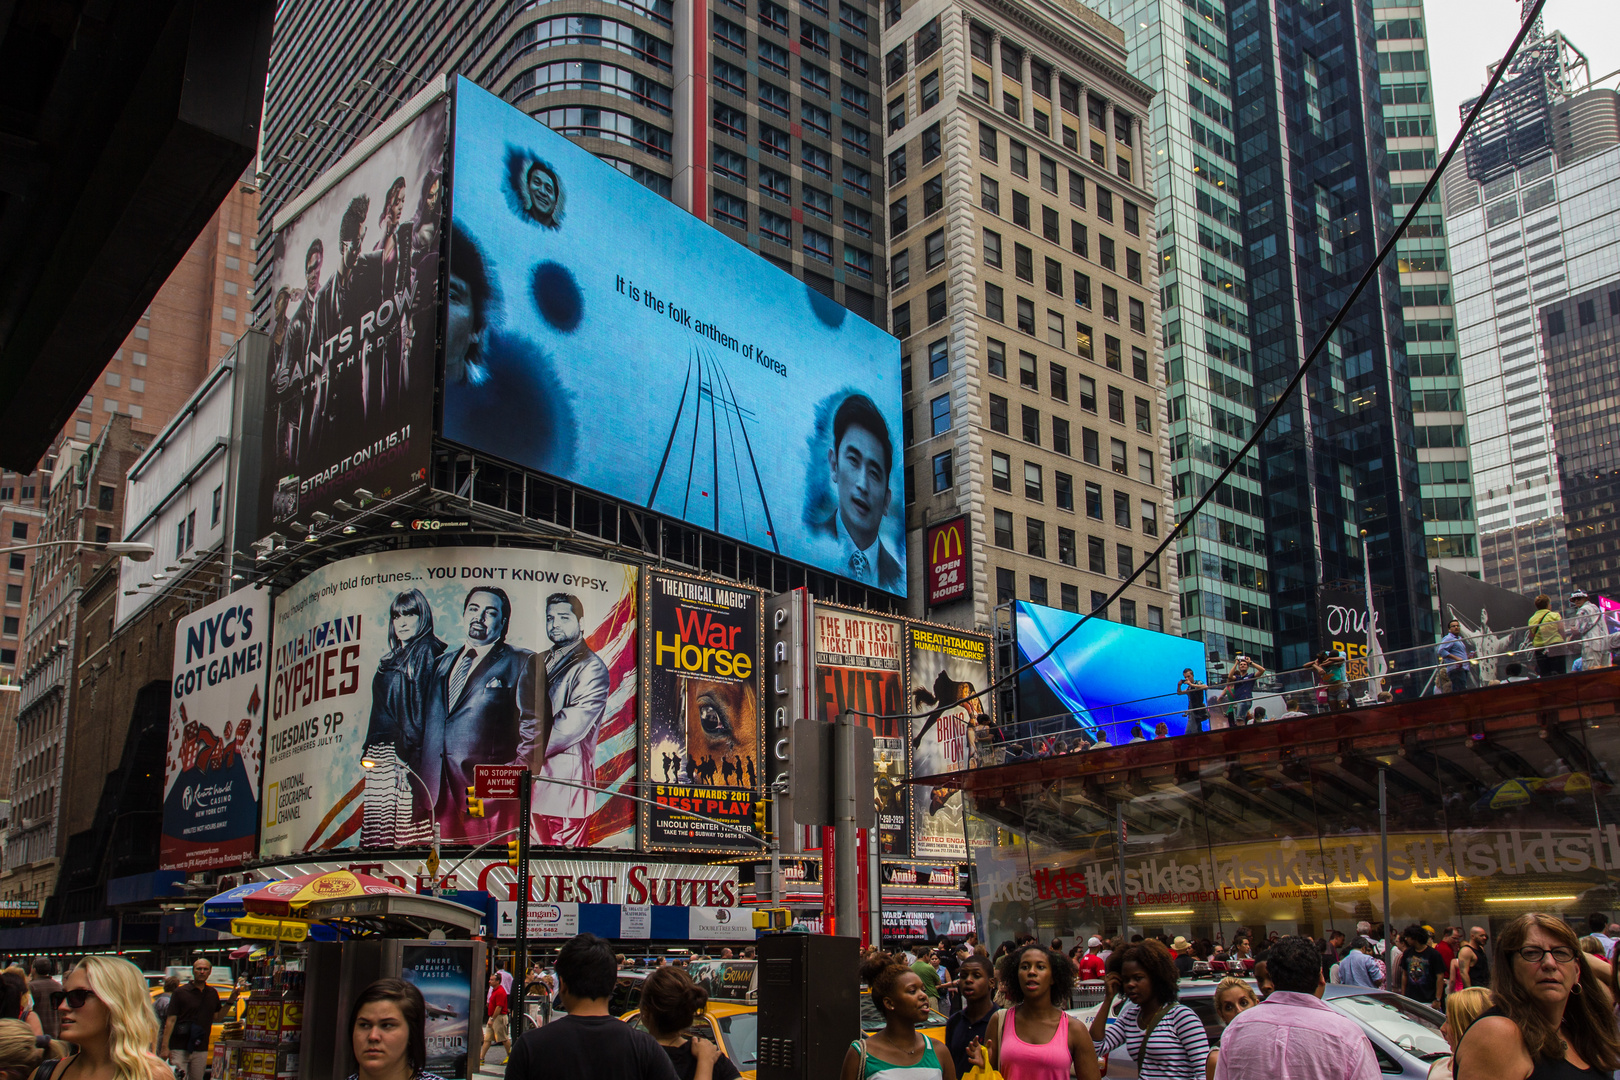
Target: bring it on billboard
<point>599,333</point>
<point>353,331</point>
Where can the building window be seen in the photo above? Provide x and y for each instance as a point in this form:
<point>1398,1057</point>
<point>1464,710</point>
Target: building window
<point>989,142</point>
<point>1027,376</point>
<point>1144,415</point>
<point>857,262</point>
<point>992,249</point>
<point>1000,471</point>
<point>1023,263</point>
<point>1127,612</point>
<point>1111,358</point>
<point>997,353</point>
<point>1139,364</point>
<point>934,249</point>
<point>1116,405</point>
<point>1082,289</point>
<point>731,210</point>
<point>1122,510</point>
<point>1088,392</point>
<point>1063,490</point>
<point>898,222</point>
<point>1059,377</point>
<point>1004,529</point>
<point>1032,425</point>
<point>1150,518</point>
<point>1144,465</point>
<point>942,472</point>
<point>1117,455</point>
<point>1071,597</point>
<point>1037,589</point>
<point>1054,328</point>
<point>1020,213</point>
<point>1138,315</point>
<point>940,411</point>
<point>1033,487</point>
<point>930,143</point>
<point>817,245</point>
<point>993,306</point>
<point>1035,537</point>
<point>1155,620</point>
<point>894,64</point>
<point>1026,315</point>
<point>998,414</point>
<point>775,227</point>
<point>1067,554</point>
<point>936,304</point>
<point>939,359</point>
<point>929,87</point>
<point>1090,447</point>
<point>990,194</point>
<point>900,270</point>
<point>104,498</point>
<point>1125,556</point>
<point>1096,555</point>
<point>933,194</point>
<point>1004,585</point>
<point>900,317</point>
<point>1094,501</point>
<point>1060,435</point>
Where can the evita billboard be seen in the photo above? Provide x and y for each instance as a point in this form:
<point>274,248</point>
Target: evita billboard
<point>599,333</point>
<point>393,676</point>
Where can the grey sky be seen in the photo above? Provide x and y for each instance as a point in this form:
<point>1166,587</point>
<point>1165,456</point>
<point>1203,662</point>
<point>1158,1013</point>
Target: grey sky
<point>1466,35</point>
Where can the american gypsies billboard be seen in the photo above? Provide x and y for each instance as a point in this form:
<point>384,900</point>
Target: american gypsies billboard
<point>1103,681</point>
<point>599,333</point>
<point>216,726</point>
<point>702,748</point>
<point>858,667</point>
<point>354,322</point>
<point>429,662</point>
<point>946,667</point>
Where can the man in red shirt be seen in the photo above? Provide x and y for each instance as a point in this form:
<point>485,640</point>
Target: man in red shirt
<point>496,1024</point>
<point>1091,965</point>
<point>1449,943</point>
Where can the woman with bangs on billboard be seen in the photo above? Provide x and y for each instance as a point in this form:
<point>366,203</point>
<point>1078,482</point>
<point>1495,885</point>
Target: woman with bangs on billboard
<point>399,699</point>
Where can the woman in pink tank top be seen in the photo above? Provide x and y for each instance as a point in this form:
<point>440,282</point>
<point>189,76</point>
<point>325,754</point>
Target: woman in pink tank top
<point>1034,1040</point>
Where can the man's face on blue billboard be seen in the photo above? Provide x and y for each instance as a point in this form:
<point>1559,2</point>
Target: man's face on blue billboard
<point>485,622</point>
<point>860,472</point>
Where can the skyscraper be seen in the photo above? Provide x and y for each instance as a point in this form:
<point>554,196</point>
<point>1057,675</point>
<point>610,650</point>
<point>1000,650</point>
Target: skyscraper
<point>1438,414</point>
<point>1021,265</point>
<point>758,119</point>
<point>1273,189</point>
<point>1528,216</point>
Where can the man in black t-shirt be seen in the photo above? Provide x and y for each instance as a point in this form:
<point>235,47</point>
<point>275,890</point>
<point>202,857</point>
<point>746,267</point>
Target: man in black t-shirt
<point>1423,967</point>
<point>189,1018</point>
<point>589,1043</point>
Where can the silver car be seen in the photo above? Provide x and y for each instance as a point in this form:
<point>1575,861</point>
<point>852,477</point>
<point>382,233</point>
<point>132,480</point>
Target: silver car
<point>1405,1035</point>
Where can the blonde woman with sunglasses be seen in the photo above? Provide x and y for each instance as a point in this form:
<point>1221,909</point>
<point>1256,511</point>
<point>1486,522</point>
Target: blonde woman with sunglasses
<point>105,1010</point>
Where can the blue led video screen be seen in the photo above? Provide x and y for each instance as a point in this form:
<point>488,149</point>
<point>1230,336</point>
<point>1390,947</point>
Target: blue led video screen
<point>1105,680</point>
<point>599,333</point>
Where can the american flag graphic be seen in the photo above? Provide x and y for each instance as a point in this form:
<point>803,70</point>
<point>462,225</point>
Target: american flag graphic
<point>614,642</point>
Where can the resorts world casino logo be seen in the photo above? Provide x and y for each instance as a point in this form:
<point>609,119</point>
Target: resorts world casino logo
<point>947,561</point>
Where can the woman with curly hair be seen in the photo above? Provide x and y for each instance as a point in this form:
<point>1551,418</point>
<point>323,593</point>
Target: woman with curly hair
<point>898,1050</point>
<point>106,1012</point>
<point>1033,1039</point>
<point>1551,1019</point>
<point>1165,1037</point>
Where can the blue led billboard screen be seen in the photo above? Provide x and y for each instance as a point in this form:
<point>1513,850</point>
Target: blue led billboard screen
<point>601,334</point>
<point>1105,679</point>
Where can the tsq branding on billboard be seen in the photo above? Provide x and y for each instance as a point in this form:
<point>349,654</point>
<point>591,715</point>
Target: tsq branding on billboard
<point>216,723</point>
<point>599,333</point>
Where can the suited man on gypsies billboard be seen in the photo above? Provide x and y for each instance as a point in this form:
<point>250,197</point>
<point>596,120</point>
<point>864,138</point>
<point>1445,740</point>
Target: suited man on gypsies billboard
<point>487,706</point>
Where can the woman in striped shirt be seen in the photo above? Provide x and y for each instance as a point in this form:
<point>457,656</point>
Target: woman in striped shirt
<point>1164,1037</point>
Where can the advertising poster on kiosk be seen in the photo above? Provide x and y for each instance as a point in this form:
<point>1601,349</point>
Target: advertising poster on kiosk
<point>353,327</point>
<point>946,667</point>
<point>1343,626</point>
<point>701,707</point>
<point>444,976</point>
<point>858,666</point>
<point>611,339</point>
<point>425,663</point>
<point>216,727</point>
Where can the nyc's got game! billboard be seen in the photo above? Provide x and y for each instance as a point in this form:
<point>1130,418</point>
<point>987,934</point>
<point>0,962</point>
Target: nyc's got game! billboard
<point>599,333</point>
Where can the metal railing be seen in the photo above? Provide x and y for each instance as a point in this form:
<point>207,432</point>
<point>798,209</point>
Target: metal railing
<point>1493,658</point>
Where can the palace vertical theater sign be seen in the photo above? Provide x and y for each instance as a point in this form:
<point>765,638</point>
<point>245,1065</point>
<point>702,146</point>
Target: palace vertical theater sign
<point>947,561</point>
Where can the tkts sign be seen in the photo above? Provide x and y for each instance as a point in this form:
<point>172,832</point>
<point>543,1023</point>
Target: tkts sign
<point>947,561</point>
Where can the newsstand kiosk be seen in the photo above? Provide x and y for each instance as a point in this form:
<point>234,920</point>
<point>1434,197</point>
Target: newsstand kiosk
<point>294,1026</point>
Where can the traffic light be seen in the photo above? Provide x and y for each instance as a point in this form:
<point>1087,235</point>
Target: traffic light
<point>512,853</point>
<point>475,805</point>
<point>776,918</point>
<point>762,817</point>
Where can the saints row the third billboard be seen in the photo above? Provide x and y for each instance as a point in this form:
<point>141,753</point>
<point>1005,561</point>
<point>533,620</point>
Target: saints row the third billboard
<point>354,321</point>
<point>858,666</point>
<point>947,667</point>
<point>599,333</point>
<point>216,726</point>
<point>701,702</point>
<point>393,676</point>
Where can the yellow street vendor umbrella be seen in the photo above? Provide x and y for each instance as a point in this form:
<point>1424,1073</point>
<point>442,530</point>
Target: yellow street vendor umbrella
<point>288,897</point>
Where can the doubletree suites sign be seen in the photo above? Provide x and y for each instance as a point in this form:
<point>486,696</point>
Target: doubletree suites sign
<point>19,909</point>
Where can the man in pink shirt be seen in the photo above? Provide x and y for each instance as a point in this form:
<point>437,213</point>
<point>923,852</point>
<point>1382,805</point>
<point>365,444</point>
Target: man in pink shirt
<point>1292,1035</point>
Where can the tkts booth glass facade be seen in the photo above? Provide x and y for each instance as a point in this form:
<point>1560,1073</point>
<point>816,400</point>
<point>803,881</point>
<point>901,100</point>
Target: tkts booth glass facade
<point>1497,801</point>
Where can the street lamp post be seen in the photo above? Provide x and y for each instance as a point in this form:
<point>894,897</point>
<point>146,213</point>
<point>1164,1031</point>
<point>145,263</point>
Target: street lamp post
<point>433,859</point>
<point>133,552</point>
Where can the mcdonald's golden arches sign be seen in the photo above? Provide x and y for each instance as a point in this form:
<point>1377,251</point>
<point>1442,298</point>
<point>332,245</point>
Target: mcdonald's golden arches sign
<point>947,561</point>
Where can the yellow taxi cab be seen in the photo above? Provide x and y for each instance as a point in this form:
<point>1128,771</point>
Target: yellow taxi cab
<point>224,989</point>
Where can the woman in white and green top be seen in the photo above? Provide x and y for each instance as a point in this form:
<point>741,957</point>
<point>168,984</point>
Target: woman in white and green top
<point>897,1051</point>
